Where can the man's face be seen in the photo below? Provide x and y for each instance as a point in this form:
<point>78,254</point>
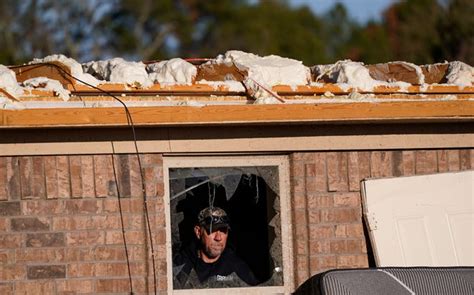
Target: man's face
<point>213,243</point>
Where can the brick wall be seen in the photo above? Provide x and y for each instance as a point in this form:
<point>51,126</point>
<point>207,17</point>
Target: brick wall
<point>60,228</point>
<point>328,227</point>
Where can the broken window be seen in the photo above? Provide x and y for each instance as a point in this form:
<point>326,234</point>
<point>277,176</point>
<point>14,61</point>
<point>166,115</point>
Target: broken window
<point>251,198</point>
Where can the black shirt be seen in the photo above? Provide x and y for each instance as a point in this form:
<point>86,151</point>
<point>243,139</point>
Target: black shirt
<point>189,271</point>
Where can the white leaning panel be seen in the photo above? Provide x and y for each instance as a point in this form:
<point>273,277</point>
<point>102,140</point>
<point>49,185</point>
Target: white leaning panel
<point>424,220</point>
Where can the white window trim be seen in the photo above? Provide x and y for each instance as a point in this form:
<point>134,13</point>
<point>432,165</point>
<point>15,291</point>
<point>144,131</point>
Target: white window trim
<point>285,207</point>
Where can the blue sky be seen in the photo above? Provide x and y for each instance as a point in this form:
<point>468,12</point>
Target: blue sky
<point>360,10</point>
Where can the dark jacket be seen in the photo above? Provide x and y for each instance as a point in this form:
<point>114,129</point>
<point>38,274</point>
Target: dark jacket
<point>190,272</point>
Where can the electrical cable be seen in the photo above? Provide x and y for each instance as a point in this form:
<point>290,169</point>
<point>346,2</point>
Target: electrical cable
<point>131,124</point>
<point>119,197</point>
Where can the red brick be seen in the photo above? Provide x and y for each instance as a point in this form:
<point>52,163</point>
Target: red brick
<point>465,159</point>
<point>318,232</point>
<point>76,176</point>
<point>7,257</point>
<point>113,285</point>
<point>161,266</point>
<point>4,224</point>
<point>301,247</point>
<point>87,176</point>
<point>347,200</point>
<point>341,215</point>
<point>442,157</point>
<point>297,168</point>
<point>139,252</point>
<point>160,236</point>
<point>10,208</point>
<point>337,171</point>
<point>36,272</point>
<point>50,207</point>
<point>35,287</point>
<point>303,156</point>
<point>132,237</point>
<point>317,201</point>
<point>162,284</point>
<point>472,158</point>
<point>299,201</point>
<point>63,177</point>
<point>135,177</point>
<point>298,185</point>
<point>408,163</point>
<point>453,160</point>
<point>346,246</point>
<point>75,270</point>
<point>38,178</point>
<point>9,241</point>
<point>359,168</point>
<point>160,252</point>
<point>51,173</point>
<point>426,162</point>
<point>319,247</point>
<point>397,163</point>
<point>75,286</point>
<point>349,230</point>
<point>352,261</point>
<point>45,240</point>
<point>136,222</point>
<point>150,181</point>
<point>104,177</point>
<point>314,216</point>
<point>6,288</point>
<point>381,164</point>
<point>32,255</point>
<point>26,179</point>
<point>123,174</point>
<point>321,179</point>
<point>79,254</point>
<point>30,224</point>
<point>310,170</point>
<point>353,170</point>
<point>108,253</point>
<point>132,205</point>
<point>106,222</point>
<point>13,178</point>
<point>322,262</point>
<point>3,179</point>
<point>300,224</point>
<point>12,272</point>
<point>75,206</point>
<point>302,263</point>
<point>86,238</point>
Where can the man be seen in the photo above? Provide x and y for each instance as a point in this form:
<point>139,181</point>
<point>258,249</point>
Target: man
<point>209,263</point>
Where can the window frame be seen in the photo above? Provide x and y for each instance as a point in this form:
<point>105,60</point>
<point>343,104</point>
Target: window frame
<point>282,163</point>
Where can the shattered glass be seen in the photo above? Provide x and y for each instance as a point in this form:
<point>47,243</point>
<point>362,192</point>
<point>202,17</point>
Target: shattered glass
<point>250,196</point>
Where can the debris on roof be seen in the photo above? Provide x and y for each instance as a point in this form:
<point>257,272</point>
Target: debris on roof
<point>460,74</point>
<point>43,83</point>
<point>234,77</point>
<point>173,71</point>
<point>9,83</point>
<point>118,70</point>
<point>74,67</point>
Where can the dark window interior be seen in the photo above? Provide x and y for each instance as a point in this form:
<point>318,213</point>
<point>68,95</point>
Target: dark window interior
<point>250,197</point>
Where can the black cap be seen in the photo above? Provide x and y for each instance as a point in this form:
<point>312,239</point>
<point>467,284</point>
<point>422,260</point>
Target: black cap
<point>213,218</point>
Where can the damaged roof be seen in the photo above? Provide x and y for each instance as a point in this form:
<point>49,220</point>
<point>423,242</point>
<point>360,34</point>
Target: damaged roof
<point>234,88</point>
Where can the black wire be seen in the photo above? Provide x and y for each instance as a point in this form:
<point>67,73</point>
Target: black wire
<point>119,197</point>
<point>131,124</point>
